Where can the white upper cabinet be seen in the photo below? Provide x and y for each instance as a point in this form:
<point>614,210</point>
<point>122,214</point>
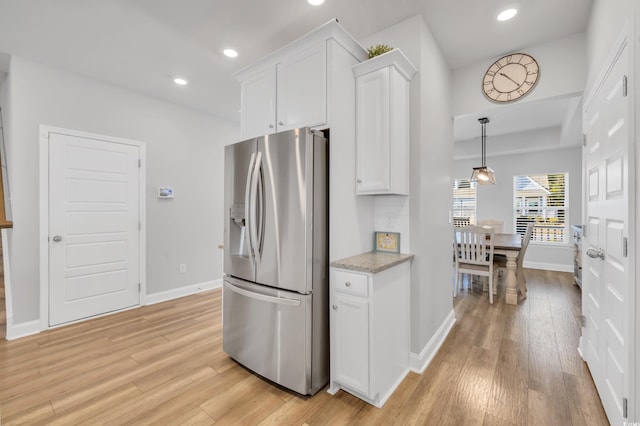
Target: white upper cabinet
<point>258,103</point>
<point>382,124</point>
<point>288,89</point>
<point>302,89</point>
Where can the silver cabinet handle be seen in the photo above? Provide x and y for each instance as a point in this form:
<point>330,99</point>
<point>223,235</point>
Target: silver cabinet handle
<point>271,126</point>
<point>280,123</point>
<point>348,284</point>
<point>57,238</point>
<point>335,307</point>
<point>359,180</point>
<point>593,253</point>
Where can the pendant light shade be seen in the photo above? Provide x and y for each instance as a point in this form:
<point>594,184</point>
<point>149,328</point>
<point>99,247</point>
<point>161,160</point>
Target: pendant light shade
<point>483,175</point>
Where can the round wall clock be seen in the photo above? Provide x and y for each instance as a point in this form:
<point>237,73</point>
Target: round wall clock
<point>510,77</point>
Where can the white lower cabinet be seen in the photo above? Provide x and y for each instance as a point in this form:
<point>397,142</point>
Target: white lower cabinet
<point>369,332</point>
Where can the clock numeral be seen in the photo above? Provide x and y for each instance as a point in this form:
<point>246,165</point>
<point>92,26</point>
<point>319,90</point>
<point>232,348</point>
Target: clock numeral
<point>529,83</point>
<point>491,73</point>
<point>521,92</point>
<point>532,72</point>
<point>490,91</point>
<point>508,96</point>
<point>509,59</point>
<point>488,82</point>
<point>529,63</point>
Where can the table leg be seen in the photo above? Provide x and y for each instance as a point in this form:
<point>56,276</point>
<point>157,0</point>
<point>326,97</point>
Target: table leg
<point>511,297</point>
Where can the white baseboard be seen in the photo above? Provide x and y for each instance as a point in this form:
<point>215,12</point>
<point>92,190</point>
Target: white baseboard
<point>548,266</point>
<point>419,362</point>
<point>16,331</point>
<point>176,293</point>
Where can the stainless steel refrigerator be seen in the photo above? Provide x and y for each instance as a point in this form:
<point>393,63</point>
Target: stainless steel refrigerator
<point>275,292</point>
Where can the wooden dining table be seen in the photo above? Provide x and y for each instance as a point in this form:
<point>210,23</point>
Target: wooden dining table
<point>510,245</point>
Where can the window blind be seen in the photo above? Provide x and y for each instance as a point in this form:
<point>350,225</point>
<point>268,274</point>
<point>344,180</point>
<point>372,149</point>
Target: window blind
<point>464,202</point>
<point>542,199</point>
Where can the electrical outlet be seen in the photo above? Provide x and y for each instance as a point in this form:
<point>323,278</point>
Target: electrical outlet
<point>183,268</point>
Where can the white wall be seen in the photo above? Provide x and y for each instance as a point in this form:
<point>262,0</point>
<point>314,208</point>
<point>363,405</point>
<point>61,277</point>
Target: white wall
<point>184,150</point>
<point>562,64</point>
<point>496,201</point>
<point>605,25</point>
<point>422,217</point>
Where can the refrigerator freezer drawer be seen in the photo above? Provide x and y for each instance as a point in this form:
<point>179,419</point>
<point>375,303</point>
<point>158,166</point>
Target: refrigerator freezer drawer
<point>269,332</point>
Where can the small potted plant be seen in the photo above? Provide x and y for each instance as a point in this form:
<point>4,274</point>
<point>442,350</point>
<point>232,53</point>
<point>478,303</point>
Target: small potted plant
<point>378,49</point>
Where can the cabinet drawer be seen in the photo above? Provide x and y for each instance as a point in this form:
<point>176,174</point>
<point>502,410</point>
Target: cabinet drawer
<point>350,283</point>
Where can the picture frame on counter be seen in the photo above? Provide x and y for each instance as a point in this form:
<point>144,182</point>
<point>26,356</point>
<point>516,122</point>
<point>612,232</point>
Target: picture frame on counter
<point>386,242</point>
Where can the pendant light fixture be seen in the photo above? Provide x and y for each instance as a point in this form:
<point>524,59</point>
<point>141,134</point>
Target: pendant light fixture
<point>483,175</point>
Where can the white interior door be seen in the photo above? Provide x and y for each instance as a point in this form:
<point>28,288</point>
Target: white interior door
<point>605,291</point>
<point>93,227</point>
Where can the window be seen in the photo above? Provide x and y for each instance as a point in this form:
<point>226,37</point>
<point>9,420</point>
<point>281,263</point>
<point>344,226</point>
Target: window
<point>464,202</point>
<point>543,200</point>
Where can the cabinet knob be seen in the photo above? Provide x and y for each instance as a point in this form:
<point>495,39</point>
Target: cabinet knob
<point>348,284</point>
<point>335,307</point>
<point>359,180</point>
<point>271,126</point>
<point>280,123</point>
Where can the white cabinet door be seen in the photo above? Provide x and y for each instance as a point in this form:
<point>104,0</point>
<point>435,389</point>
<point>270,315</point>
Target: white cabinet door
<point>372,132</point>
<point>302,89</point>
<point>350,346</point>
<point>382,124</point>
<point>258,104</point>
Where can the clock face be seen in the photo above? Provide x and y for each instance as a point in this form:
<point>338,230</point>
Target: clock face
<point>510,77</point>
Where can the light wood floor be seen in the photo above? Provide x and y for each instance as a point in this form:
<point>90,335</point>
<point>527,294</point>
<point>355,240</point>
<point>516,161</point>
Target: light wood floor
<point>163,364</point>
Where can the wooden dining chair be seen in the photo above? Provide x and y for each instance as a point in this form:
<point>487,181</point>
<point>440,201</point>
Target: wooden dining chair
<point>473,246</point>
<point>501,261</point>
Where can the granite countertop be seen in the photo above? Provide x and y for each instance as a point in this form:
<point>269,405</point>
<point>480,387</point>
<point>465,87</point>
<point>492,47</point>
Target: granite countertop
<point>372,262</point>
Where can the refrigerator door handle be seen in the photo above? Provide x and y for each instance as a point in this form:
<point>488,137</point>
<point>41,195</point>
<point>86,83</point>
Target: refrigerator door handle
<point>255,227</point>
<point>263,297</point>
<point>261,206</point>
<point>247,204</point>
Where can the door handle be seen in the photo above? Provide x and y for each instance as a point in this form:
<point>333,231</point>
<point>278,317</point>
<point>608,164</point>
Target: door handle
<point>255,227</point>
<point>593,253</point>
<point>247,202</point>
<point>57,238</point>
<point>263,297</point>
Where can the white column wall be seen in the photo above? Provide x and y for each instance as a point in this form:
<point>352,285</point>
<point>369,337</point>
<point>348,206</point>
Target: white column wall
<point>422,217</point>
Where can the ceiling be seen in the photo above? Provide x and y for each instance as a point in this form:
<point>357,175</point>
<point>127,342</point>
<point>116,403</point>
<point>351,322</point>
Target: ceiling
<point>141,44</point>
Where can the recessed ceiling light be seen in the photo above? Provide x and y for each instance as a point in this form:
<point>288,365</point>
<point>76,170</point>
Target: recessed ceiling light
<point>315,2</point>
<point>230,53</point>
<point>507,14</point>
<point>180,81</point>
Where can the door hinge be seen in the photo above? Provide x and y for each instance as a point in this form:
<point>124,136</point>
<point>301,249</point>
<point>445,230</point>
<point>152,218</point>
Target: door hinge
<point>583,319</point>
<point>624,407</point>
<point>625,250</point>
<point>139,163</point>
<point>584,140</point>
<point>139,225</point>
<point>584,231</point>
<point>139,287</point>
<point>624,85</point>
